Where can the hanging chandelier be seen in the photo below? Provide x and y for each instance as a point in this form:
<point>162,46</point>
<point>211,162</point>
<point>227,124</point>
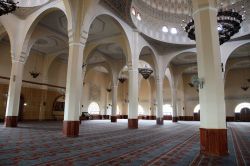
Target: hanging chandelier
<point>108,89</point>
<point>229,23</point>
<point>34,74</point>
<point>122,79</point>
<point>145,72</point>
<point>7,6</point>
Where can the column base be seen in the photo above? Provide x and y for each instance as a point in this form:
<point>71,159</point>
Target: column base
<point>213,142</point>
<point>71,128</point>
<point>133,123</point>
<point>11,121</point>
<point>159,121</point>
<point>113,119</point>
<point>175,119</point>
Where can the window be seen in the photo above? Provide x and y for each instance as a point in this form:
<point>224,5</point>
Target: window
<point>94,108</point>
<point>140,110</point>
<point>167,109</point>
<point>118,111</point>
<point>109,109</point>
<point>239,107</point>
<point>197,109</point>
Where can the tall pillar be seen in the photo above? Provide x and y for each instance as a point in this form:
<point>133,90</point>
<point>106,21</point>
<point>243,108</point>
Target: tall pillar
<point>133,98</point>
<point>174,104</point>
<point>159,113</point>
<point>44,94</point>
<point>213,132</point>
<point>73,85</point>
<point>114,103</point>
<point>12,110</point>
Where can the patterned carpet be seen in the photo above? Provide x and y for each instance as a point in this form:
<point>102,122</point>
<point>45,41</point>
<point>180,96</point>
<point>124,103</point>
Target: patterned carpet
<point>104,143</point>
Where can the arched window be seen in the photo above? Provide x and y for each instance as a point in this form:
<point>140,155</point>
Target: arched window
<point>197,109</point>
<point>167,109</point>
<point>94,108</point>
<point>240,106</point>
<point>118,111</point>
<point>140,110</point>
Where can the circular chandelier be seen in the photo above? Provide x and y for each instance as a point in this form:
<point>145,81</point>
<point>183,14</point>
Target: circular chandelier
<point>229,23</point>
<point>7,6</point>
<point>145,72</point>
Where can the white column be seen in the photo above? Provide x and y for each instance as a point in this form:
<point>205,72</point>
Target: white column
<point>174,104</point>
<point>114,103</point>
<point>133,97</point>
<point>159,113</point>
<point>73,85</point>
<point>83,94</point>
<point>14,93</point>
<point>212,103</point>
<point>42,109</point>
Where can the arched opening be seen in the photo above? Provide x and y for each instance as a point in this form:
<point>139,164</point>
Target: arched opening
<point>46,65</point>
<point>237,81</point>
<point>197,112</point>
<point>5,64</point>
<point>140,110</point>
<point>167,111</point>
<point>58,107</point>
<point>242,112</point>
<point>185,64</point>
<point>107,44</point>
<point>93,108</point>
<point>144,93</point>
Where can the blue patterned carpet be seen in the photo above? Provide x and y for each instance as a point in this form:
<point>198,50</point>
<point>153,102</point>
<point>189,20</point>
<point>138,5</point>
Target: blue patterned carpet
<point>104,143</point>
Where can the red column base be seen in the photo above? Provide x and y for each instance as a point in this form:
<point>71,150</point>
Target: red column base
<point>175,119</point>
<point>133,123</point>
<point>213,142</point>
<point>113,119</point>
<point>159,121</point>
<point>11,121</point>
<point>71,128</point>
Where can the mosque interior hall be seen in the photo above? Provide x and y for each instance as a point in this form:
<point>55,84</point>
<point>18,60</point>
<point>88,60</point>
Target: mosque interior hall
<point>125,82</point>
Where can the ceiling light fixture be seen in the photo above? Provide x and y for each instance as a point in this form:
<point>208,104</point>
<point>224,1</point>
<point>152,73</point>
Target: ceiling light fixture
<point>174,31</point>
<point>138,16</point>
<point>145,72</point>
<point>164,29</point>
<point>7,6</point>
<point>133,11</point>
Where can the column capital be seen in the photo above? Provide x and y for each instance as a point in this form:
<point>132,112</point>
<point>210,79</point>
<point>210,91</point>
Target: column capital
<point>18,58</point>
<point>77,39</point>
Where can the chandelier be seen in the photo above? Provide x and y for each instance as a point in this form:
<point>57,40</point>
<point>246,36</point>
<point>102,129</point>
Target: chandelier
<point>108,89</point>
<point>122,79</point>
<point>229,23</point>
<point>34,74</point>
<point>7,6</point>
<point>145,72</point>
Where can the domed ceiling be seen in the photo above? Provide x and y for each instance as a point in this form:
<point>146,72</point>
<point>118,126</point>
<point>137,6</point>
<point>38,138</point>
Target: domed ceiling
<point>162,19</point>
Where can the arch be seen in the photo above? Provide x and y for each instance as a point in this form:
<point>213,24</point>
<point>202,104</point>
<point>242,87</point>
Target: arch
<point>167,109</point>
<point>123,40</point>
<point>34,20</point>
<point>140,110</point>
<point>152,58</point>
<point>197,109</point>
<point>228,48</point>
<point>240,106</point>
<point>171,56</point>
<point>94,108</point>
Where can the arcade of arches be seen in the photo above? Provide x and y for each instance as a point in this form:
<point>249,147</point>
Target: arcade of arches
<point>63,58</point>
